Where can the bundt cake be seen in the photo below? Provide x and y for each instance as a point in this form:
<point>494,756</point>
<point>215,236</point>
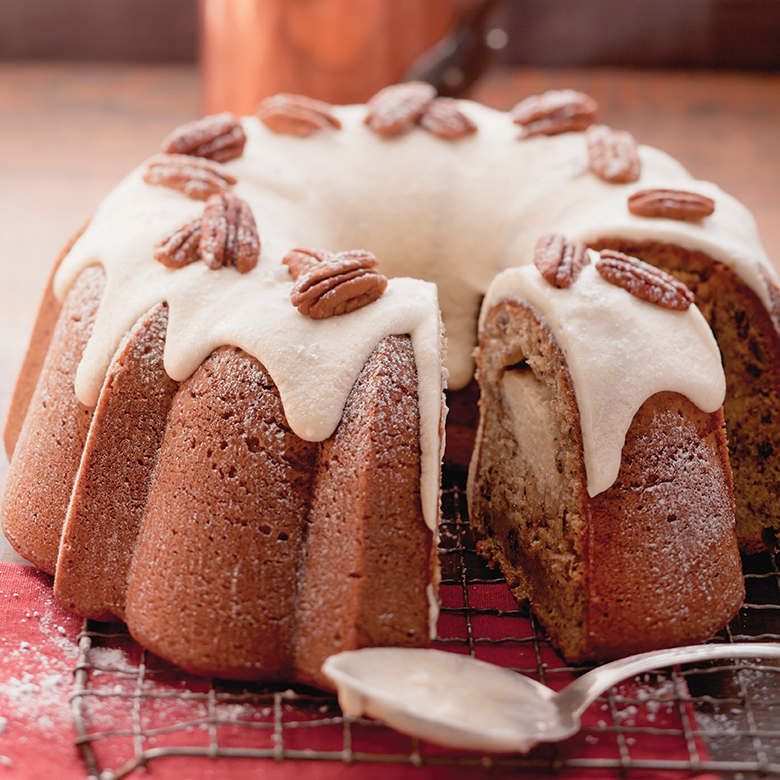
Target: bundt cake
<point>600,481</point>
<point>248,471</point>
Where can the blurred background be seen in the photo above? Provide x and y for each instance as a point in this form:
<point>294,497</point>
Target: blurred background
<point>662,33</point>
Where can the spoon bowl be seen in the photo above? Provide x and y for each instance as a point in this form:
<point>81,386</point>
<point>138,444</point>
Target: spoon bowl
<point>457,701</point>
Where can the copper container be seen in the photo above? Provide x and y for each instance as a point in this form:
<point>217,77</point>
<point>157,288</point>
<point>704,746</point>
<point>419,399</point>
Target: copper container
<point>341,51</point>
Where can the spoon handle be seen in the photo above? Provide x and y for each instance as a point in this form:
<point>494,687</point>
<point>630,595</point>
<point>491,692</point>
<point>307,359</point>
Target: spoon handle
<point>576,696</point>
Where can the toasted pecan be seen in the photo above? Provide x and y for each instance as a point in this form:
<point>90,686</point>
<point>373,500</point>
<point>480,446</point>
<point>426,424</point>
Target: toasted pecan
<point>301,260</point>
<point>217,137</point>
<point>643,280</point>
<point>613,154</point>
<point>555,111</point>
<point>560,263</point>
<point>337,285</point>
<point>179,247</point>
<point>398,107</point>
<point>229,233</point>
<point>672,204</point>
<point>196,177</point>
<point>444,118</point>
<point>297,115</point>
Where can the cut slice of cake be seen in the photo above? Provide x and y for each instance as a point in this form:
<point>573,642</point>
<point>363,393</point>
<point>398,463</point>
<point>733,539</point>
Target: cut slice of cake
<point>600,481</point>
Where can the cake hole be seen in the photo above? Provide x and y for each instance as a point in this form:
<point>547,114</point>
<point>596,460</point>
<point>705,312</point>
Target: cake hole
<point>283,537</point>
<point>521,365</point>
<point>671,519</point>
<point>264,529</point>
<point>253,444</point>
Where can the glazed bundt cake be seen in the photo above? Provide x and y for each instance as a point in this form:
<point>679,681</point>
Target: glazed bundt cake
<point>600,481</point>
<point>248,471</point>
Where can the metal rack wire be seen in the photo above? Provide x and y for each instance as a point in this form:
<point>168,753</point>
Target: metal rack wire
<point>721,717</point>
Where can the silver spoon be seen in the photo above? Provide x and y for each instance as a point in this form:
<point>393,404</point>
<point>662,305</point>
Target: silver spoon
<point>457,701</point>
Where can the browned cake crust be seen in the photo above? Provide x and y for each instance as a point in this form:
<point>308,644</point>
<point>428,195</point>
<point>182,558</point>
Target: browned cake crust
<point>108,501</point>
<point>750,345</point>
<point>48,450</point>
<point>652,561</point>
<point>364,588</point>
<point>230,546</point>
<point>48,314</point>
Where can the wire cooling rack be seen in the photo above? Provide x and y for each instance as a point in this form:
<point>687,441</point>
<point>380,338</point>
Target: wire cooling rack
<point>131,709</point>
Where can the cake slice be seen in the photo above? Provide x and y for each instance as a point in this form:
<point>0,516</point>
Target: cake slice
<point>747,330</point>
<point>600,481</point>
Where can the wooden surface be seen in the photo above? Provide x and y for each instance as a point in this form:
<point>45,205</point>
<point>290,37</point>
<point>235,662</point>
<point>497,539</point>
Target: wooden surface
<point>68,133</point>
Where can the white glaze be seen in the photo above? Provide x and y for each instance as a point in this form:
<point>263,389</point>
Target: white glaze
<point>453,213</point>
<point>620,350</point>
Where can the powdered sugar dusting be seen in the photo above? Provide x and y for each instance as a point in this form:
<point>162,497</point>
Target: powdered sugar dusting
<point>36,662</point>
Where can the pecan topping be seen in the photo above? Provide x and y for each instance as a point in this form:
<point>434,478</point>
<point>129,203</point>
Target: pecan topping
<point>443,118</point>
<point>396,108</point>
<point>180,246</point>
<point>196,177</point>
<point>643,280</point>
<point>673,204</point>
<point>228,233</point>
<point>614,154</point>
<point>338,284</point>
<point>296,115</point>
<point>556,111</point>
<point>217,137</point>
<point>558,262</point>
<point>301,260</point>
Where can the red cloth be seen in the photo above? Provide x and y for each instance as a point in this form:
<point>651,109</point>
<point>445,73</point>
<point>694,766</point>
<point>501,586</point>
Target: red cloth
<point>37,733</point>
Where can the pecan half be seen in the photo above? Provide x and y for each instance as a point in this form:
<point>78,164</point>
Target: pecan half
<point>338,285</point>
<point>558,262</point>
<point>396,108</point>
<point>643,280</point>
<point>296,115</point>
<point>555,111</point>
<point>180,246</point>
<point>613,154</point>
<point>229,233</point>
<point>672,204</point>
<point>444,118</point>
<point>217,137</point>
<point>196,177</point>
<point>301,260</point>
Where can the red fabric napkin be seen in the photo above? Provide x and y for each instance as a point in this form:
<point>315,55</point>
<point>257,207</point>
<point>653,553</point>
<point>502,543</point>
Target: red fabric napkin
<point>134,705</point>
<point>39,650</point>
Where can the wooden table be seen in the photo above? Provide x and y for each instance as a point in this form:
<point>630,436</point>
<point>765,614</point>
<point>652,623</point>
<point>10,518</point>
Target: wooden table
<point>68,133</point>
